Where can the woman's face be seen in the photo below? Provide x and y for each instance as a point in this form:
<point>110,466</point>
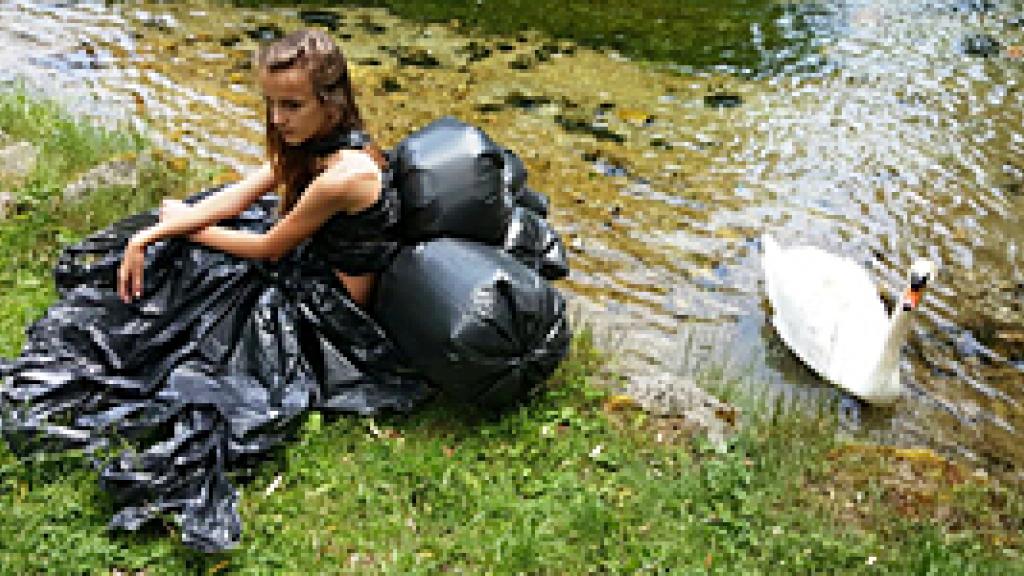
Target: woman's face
<point>293,107</point>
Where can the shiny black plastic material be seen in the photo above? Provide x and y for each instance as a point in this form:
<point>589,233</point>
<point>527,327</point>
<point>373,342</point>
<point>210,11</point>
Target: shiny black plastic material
<point>518,193</point>
<point>474,320</point>
<point>513,174</point>
<point>363,242</point>
<point>202,375</point>
<point>449,175</point>
<point>532,241</point>
<point>534,201</point>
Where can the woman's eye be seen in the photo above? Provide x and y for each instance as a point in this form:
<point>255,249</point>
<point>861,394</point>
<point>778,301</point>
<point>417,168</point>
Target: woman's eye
<point>291,105</point>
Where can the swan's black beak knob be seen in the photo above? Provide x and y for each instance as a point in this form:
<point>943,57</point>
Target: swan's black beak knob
<point>918,281</point>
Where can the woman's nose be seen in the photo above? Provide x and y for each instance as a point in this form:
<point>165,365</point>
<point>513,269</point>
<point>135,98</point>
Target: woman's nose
<point>277,116</point>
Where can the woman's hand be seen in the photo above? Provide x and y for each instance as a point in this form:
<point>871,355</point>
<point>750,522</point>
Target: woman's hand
<point>171,209</point>
<point>129,275</point>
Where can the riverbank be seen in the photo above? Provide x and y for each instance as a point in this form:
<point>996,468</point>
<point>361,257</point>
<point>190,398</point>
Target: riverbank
<point>576,481</point>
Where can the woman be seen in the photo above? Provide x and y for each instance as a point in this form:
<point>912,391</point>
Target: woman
<point>203,331</point>
<point>304,79</point>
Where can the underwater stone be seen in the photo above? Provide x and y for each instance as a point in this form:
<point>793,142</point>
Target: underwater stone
<point>522,62</point>
<point>476,51</point>
<point>265,33</point>
<point>490,104</point>
<point>372,27</point>
<point>390,84</point>
<point>325,18</point>
<point>981,45</point>
<point>526,101</point>
<point>229,41</point>
<point>577,123</point>
<point>416,56</point>
<point>722,100</point>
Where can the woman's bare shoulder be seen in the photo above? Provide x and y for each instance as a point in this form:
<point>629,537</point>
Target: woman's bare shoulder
<point>353,177</point>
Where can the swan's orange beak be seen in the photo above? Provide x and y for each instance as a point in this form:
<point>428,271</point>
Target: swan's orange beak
<point>912,296</point>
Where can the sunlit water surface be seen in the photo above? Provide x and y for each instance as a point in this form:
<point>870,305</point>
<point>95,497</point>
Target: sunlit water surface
<point>898,135</point>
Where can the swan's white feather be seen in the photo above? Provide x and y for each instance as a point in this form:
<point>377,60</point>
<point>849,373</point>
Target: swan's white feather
<point>827,310</point>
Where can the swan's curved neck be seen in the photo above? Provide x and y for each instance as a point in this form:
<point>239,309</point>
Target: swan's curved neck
<point>899,327</point>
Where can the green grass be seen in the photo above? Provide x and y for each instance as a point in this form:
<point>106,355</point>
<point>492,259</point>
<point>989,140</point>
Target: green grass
<point>563,485</point>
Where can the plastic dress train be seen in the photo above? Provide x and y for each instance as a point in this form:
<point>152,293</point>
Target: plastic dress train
<point>208,369</point>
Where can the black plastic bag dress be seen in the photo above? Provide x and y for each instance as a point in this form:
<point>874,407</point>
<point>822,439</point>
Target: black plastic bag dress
<point>216,361</point>
<point>208,369</point>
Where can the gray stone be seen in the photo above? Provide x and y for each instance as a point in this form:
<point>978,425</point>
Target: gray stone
<point>6,204</point>
<point>123,172</point>
<point>665,394</point>
<point>17,161</point>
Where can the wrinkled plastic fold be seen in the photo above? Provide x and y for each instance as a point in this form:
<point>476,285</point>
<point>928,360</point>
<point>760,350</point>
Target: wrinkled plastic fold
<point>207,370</point>
<point>218,359</point>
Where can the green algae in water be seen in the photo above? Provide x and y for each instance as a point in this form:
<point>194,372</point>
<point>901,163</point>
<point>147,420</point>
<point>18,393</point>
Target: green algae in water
<point>746,36</point>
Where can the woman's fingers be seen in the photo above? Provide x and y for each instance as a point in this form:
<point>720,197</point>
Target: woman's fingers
<point>137,279</point>
<point>129,275</point>
<point>122,276</point>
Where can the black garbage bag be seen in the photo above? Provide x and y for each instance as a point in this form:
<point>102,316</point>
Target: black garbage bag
<point>474,320</point>
<point>532,241</point>
<point>513,174</point>
<point>534,201</point>
<point>516,191</point>
<point>202,375</point>
<point>450,178</point>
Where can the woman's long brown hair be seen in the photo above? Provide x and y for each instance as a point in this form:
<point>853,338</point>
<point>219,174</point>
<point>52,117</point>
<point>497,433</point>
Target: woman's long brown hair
<point>314,51</point>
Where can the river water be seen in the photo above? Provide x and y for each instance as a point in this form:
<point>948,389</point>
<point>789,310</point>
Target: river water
<point>894,132</point>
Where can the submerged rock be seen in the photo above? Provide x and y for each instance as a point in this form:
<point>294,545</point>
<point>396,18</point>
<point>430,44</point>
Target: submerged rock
<point>475,51</point>
<point>372,27</point>
<point>416,56</point>
<point>230,41</point>
<point>974,6</point>
<point>490,104</point>
<point>17,161</point>
<point>722,100</point>
<point>526,101</point>
<point>325,18</point>
<point>578,123</point>
<point>522,62</point>
<point>981,45</point>
<point>265,33</point>
<point>390,84</point>
<point>636,117</point>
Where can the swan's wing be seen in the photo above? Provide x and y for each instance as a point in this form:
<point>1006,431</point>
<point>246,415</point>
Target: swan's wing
<point>823,303</point>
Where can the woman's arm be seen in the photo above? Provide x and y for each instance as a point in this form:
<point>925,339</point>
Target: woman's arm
<point>223,204</point>
<point>335,190</point>
<point>349,186</point>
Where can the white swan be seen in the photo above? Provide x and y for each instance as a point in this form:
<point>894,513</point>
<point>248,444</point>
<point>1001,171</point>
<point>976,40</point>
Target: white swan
<point>827,310</point>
